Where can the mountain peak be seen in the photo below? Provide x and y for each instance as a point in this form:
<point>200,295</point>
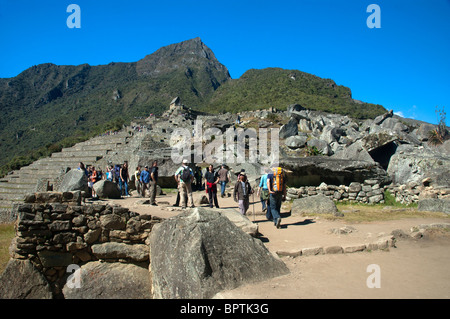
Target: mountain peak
<point>186,54</point>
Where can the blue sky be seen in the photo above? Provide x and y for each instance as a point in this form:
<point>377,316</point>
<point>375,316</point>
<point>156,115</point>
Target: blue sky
<point>404,65</point>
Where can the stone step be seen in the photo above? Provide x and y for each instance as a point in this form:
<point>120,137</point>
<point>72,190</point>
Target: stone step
<point>32,177</point>
<point>8,204</point>
<point>12,197</point>
<point>15,183</point>
<point>9,190</point>
<point>12,178</point>
<point>101,141</point>
<point>55,163</point>
<point>91,158</point>
<point>101,149</point>
<point>14,186</point>
<point>80,153</point>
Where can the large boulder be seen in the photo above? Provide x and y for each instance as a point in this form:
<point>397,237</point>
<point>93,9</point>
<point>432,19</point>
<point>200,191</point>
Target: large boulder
<point>100,280</point>
<point>423,131</point>
<point>354,151</point>
<point>321,145</point>
<point>289,129</point>
<point>294,108</point>
<point>296,141</point>
<point>413,164</point>
<point>112,250</point>
<point>201,252</point>
<point>74,180</point>
<point>380,118</point>
<point>434,205</point>
<point>314,170</point>
<point>241,221</point>
<point>331,134</point>
<point>21,280</point>
<point>318,204</point>
<point>107,189</point>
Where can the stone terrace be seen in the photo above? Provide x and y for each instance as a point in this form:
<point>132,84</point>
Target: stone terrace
<point>36,176</point>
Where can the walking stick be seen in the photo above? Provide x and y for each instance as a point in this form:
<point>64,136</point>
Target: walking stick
<point>253,206</point>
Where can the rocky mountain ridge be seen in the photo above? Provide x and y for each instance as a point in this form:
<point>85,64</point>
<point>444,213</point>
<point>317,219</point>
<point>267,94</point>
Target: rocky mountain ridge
<point>48,103</point>
<point>316,148</point>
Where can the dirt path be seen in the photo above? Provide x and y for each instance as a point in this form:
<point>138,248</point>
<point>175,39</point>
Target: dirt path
<point>414,269</point>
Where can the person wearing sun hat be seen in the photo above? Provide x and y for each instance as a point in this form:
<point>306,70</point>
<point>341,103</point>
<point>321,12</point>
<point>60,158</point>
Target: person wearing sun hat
<point>184,176</point>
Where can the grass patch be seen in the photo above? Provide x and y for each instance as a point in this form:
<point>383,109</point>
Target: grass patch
<point>7,233</point>
<point>358,213</point>
<point>363,213</point>
<point>169,190</point>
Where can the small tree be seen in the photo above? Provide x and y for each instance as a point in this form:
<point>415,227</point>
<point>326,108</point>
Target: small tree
<point>440,133</point>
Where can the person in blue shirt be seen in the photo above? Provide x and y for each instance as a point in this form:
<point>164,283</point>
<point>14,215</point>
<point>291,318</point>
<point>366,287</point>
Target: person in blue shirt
<point>263,193</point>
<point>145,180</point>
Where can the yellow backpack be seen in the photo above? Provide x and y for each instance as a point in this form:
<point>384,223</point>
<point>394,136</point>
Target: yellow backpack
<point>278,179</point>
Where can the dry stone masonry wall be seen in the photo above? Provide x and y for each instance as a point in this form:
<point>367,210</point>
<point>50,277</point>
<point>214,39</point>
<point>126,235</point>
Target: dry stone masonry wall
<point>414,192</point>
<point>53,231</point>
<point>368,192</point>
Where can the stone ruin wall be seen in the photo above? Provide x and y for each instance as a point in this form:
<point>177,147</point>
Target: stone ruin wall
<point>370,192</point>
<point>53,231</point>
<point>413,192</point>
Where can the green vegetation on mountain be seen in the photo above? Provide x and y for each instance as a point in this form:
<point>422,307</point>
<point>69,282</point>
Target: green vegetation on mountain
<point>48,107</point>
<point>275,87</point>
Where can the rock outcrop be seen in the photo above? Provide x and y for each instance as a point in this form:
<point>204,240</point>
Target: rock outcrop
<point>66,250</point>
<point>100,280</point>
<point>206,253</point>
<point>318,204</point>
<point>314,147</point>
<point>53,232</point>
<point>22,280</point>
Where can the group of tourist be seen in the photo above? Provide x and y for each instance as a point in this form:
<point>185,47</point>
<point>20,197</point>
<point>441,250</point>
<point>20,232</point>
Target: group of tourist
<point>271,190</point>
<point>147,178</point>
<point>118,174</point>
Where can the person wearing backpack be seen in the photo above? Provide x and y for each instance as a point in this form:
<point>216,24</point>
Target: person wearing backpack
<point>242,192</point>
<point>145,180</point>
<point>276,184</point>
<point>184,176</point>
